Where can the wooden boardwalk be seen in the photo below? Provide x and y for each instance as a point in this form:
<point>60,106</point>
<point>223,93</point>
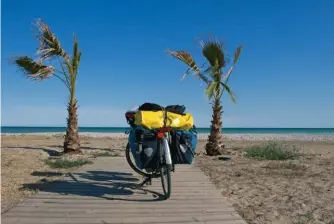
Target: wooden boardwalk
<point>106,192</point>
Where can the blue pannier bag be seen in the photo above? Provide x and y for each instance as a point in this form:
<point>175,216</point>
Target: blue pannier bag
<point>183,146</point>
<point>146,155</point>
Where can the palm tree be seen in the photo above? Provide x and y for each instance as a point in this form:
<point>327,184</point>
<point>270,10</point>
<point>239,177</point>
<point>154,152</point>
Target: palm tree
<point>48,51</point>
<point>216,81</point>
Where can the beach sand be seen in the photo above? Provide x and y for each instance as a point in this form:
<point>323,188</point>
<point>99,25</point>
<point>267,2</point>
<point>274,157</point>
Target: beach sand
<point>298,191</point>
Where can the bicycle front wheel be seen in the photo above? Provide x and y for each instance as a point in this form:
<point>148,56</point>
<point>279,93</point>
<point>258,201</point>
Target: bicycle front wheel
<point>165,170</point>
<point>166,180</point>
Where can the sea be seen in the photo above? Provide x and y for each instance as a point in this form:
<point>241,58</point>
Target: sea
<point>313,131</point>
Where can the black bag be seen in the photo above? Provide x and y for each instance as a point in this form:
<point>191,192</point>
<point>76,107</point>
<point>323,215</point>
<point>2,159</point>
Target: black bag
<point>145,156</point>
<point>176,109</point>
<point>150,107</point>
<point>149,155</point>
<point>183,146</point>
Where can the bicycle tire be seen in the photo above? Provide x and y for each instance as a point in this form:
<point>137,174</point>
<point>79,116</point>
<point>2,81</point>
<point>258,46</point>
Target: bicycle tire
<point>166,180</point>
<point>132,165</point>
<point>165,175</point>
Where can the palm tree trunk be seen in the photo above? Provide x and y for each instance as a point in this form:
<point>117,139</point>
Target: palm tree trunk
<point>71,142</point>
<point>215,140</point>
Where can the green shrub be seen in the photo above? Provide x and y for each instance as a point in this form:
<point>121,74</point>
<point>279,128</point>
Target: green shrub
<point>66,164</point>
<point>272,151</point>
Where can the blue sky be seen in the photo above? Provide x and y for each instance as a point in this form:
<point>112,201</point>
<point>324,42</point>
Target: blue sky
<point>284,77</point>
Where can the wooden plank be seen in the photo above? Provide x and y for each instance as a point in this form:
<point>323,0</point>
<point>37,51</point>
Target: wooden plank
<point>190,222</point>
<point>111,190</point>
<point>124,220</point>
<point>194,178</point>
<point>117,209</point>
<point>148,197</point>
<point>93,192</point>
<point>129,170</point>
<point>123,184</point>
<point>129,205</point>
<point>107,192</point>
<point>120,214</point>
<point>183,182</point>
<point>81,199</point>
<point>224,222</point>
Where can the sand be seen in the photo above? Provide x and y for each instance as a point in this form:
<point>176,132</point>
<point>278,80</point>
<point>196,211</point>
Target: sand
<point>295,191</point>
<point>298,191</point>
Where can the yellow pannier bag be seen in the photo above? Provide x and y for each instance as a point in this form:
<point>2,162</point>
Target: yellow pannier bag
<point>155,119</point>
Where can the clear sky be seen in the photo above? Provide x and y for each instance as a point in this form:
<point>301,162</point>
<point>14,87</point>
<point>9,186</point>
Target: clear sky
<point>284,78</point>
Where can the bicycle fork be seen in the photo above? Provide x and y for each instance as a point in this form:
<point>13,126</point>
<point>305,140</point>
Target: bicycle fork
<point>168,157</point>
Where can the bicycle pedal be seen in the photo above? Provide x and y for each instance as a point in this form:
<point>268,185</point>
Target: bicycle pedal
<point>146,182</point>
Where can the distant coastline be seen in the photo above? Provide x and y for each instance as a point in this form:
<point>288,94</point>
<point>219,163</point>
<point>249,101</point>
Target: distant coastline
<point>31,130</point>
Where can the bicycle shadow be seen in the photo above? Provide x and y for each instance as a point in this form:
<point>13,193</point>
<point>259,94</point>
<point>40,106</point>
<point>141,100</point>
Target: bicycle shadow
<point>107,185</point>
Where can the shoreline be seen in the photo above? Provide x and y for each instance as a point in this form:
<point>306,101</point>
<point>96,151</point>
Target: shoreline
<point>201,136</point>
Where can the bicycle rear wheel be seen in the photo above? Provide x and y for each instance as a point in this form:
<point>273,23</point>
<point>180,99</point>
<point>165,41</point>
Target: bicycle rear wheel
<point>128,156</point>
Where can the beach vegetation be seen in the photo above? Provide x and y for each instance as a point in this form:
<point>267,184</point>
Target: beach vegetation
<point>274,150</point>
<point>212,73</point>
<point>306,218</point>
<point>106,154</point>
<point>53,61</point>
<point>67,163</point>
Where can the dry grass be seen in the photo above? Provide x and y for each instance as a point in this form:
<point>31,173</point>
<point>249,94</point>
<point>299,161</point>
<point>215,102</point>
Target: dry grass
<point>273,150</point>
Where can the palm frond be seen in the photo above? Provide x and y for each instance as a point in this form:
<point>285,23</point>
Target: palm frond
<point>200,75</point>
<point>184,57</point>
<point>228,89</point>
<point>214,73</point>
<point>208,70</point>
<point>226,77</point>
<point>49,45</point>
<point>189,70</point>
<point>237,54</point>
<point>76,56</point>
<point>203,77</point>
<point>213,51</point>
<point>210,90</point>
<point>32,69</point>
<point>236,57</point>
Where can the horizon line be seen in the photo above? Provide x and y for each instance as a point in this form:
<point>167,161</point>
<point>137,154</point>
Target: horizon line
<point>16,126</point>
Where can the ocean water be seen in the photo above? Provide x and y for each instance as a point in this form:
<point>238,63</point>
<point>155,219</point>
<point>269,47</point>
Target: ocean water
<point>313,131</point>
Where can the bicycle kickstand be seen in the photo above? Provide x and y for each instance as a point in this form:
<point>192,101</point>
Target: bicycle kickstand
<point>147,181</point>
